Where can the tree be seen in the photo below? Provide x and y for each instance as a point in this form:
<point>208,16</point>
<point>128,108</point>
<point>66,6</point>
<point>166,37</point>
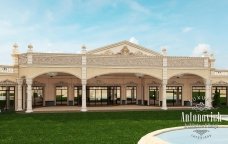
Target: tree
<point>216,100</point>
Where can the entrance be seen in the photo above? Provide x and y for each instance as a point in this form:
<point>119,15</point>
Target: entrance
<point>37,96</point>
<point>7,97</point>
<point>78,95</point>
<point>131,94</point>
<point>61,95</point>
<point>153,95</point>
<point>198,95</point>
<point>222,90</point>
<point>103,95</point>
<point>174,95</point>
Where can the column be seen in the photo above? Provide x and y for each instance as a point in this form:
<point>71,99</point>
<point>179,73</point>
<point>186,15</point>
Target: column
<point>208,94</point>
<point>29,95</point>
<point>83,108</point>
<point>164,104</point>
<point>227,96</point>
<point>84,79</point>
<point>19,94</point>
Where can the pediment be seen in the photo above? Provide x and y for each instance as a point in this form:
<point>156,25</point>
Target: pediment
<point>124,48</point>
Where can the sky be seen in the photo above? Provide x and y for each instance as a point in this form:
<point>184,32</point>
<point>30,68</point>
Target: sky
<point>184,27</point>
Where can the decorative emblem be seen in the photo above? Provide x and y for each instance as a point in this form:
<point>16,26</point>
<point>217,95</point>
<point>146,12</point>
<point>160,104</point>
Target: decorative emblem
<point>200,107</point>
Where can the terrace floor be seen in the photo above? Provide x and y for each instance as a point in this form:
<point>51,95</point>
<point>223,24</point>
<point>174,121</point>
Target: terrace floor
<point>103,108</point>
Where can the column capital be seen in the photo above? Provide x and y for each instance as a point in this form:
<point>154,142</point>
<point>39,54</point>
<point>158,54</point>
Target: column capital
<point>84,81</point>
<point>208,82</point>
<point>164,82</point>
<point>19,81</point>
<point>28,81</point>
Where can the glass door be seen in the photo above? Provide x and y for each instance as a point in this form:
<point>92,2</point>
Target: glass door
<point>7,97</point>
<point>78,95</point>
<point>113,95</point>
<point>174,95</point>
<point>131,94</point>
<point>222,90</point>
<point>37,96</point>
<point>61,95</point>
<point>153,95</point>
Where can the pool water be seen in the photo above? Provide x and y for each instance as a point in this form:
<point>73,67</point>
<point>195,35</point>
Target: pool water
<point>196,136</point>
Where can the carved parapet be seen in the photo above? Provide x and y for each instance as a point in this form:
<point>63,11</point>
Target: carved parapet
<point>45,59</point>
<point>124,61</point>
<point>185,62</point>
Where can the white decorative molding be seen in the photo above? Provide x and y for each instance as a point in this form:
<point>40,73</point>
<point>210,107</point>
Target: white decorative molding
<point>174,83</point>
<point>61,83</point>
<point>103,83</point>
<point>198,83</point>
<point>8,83</point>
<point>37,83</point>
<point>131,83</point>
<point>154,83</point>
<point>220,83</point>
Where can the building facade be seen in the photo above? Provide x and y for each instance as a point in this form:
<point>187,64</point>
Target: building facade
<point>117,74</point>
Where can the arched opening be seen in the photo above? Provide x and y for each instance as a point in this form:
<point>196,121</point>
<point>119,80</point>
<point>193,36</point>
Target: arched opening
<point>185,90</point>
<point>56,89</point>
<point>123,88</point>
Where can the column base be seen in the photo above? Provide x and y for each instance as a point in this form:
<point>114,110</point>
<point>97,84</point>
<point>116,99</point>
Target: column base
<point>28,111</point>
<point>164,108</point>
<point>19,109</point>
<point>84,109</point>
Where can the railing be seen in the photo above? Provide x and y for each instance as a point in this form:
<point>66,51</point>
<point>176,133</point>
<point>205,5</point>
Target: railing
<point>221,73</point>
<point>6,69</point>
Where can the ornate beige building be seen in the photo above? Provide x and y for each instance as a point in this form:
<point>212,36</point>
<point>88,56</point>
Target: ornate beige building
<point>117,74</point>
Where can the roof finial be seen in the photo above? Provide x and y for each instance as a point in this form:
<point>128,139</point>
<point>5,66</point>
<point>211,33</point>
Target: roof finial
<point>15,48</point>
<point>30,48</point>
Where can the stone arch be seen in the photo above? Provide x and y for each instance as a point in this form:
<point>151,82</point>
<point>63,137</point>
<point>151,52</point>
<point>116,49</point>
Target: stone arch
<point>125,71</point>
<point>50,71</point>
<point>186,73</point>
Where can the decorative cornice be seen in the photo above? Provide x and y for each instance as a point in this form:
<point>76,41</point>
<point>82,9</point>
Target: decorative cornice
<point>37,83</point>
<point>102,83</point>
<point>174,83</point>
<point>8,83</point>
<point>131,83</point>
<point>61,83</point>
<point>154,83</point>
<point>220,83</point>
<point>198,83</point>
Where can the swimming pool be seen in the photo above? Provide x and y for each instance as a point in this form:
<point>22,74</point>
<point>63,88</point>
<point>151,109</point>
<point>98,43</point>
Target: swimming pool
<point>181,135</point>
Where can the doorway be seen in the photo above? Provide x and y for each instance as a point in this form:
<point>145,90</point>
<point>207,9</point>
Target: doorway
<point>61,95</point>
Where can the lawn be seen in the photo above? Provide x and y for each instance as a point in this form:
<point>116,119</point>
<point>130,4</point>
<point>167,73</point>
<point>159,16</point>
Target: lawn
<point>85,128</point>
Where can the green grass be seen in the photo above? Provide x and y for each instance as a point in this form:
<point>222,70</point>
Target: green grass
<point>85,128</point>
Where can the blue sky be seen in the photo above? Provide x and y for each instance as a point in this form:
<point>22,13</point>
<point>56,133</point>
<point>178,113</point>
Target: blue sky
<point>184,27</point>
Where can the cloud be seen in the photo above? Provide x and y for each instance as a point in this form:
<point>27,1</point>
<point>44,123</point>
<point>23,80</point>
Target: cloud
<point>187,29</point>
<point>134,40</point>
<point>200,48</point>
<point>135,6</point>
